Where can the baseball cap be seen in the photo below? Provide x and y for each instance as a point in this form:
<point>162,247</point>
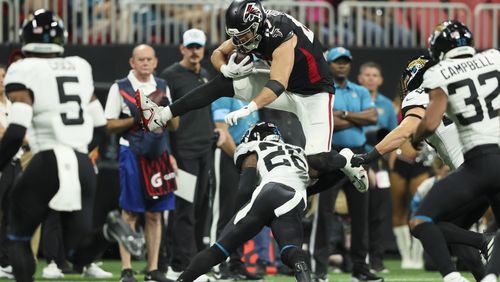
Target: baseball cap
<point>338,52</point>
<point>194,36</point>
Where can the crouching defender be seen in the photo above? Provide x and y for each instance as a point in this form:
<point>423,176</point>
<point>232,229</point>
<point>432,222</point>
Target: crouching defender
<point>277,202</point>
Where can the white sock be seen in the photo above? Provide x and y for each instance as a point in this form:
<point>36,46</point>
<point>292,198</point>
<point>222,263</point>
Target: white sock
<point>417,252</point>
<point>165,114</point>
<point>403,240</point>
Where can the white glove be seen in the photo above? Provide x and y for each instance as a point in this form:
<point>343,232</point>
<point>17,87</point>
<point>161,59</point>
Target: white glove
<point>234,70</point>
<point>232,117</point>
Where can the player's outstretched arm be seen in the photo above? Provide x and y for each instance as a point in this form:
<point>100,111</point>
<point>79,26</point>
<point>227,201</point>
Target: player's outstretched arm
<point>438,101</point>
<point>20,117</point>
<point>394,139</point>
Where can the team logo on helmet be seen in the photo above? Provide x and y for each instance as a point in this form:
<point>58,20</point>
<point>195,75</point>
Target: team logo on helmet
<point>252,12</point>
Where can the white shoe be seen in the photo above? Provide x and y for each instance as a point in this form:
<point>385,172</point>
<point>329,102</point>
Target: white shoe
<point>455,277</point>
<point>357,175</point>
<point>94,270</point>
<point>51,271</point>
<point>6,272</point>
<point>204,278</point>
<point>173,275</point>
<point>149,111</point>
<point>490,278</point>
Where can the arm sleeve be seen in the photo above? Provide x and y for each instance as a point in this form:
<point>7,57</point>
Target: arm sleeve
<point>17,77</point>
<point>203,95</point>
<point>11,142</point>
<point>246,186</point>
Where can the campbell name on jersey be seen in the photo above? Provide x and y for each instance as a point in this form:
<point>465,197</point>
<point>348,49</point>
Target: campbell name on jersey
<point>445,139</point>
<point>277,162</point>
<point>61,89</point>
<point>310,73</point>
<point>472,85</point>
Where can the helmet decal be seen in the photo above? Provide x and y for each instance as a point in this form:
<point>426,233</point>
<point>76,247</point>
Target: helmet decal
<point>252,13</point>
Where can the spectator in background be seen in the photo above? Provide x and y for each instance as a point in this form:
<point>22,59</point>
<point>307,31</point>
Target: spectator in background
<point>227,177</point>
<point>370,76</point>
<point>141,156</point>
<point>353,109</point>
<point>192,147</point>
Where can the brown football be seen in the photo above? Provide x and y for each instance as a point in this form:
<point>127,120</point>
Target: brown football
<point>240,57</point>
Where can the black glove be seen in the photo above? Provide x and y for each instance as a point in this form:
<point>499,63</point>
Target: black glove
<point>361,159</point>
<point>416,145</point>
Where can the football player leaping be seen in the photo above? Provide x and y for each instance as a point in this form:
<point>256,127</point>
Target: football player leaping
<point>299,80</point>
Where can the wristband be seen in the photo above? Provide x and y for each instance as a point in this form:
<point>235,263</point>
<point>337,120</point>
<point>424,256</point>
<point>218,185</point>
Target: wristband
<point>275,86</point>
<point>372,155</point>
<point>252,107</point>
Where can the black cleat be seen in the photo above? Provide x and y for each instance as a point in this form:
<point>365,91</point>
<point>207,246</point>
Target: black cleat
<point>117,230</point>
<point>487,248</point>
<point>361,275</point>
<point>127,275</point>
<point>302,272</point>
<point>155,276</point>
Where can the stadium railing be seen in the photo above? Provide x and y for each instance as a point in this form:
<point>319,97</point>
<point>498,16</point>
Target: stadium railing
<point>487,26</point>
<point>355,23</point>
<point>394,24</point>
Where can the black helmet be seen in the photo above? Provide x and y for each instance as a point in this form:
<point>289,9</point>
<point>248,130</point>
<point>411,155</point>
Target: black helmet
<point>262,131</point>
<point>451,39</point>
<point>43,32</point>
<point>413,75</point>
<point>242,17</point>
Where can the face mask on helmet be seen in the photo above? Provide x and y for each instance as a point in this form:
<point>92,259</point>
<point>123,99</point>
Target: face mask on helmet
<point>451,39</point>
<point>43,33</point>
<point>413,75</point>
<point>262,131</point>
<point>244,20</point>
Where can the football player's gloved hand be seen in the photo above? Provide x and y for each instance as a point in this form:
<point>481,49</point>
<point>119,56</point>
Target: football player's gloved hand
<point>237,70</point>
<point>232,117</point>
<point>361,159</point>
<point>416,145</point>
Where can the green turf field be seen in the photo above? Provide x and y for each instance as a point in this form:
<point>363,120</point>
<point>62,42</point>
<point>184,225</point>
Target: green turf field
<point>396,274</point>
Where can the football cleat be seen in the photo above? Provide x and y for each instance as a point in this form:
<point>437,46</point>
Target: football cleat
<point>357,175</point>
<point>149,111</point>
<point>487,248</point>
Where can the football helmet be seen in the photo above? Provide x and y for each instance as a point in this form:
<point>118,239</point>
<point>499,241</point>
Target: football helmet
<point>262,131</point>
<point>244,23</point>
<point>413,75</point>
<point>451,39</point>
<point>43,33</point>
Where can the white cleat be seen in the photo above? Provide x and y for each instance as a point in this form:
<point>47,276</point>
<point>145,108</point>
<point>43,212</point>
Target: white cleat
<point>149,111</point>
<point>357,175</point>
<point>94,270</point>
<point>455,277</point>
<point>490,278</point>
<point>51,271</point>
<point>6,272</point>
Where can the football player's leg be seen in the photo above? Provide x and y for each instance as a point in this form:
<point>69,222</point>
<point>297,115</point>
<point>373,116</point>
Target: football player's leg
<point>288,232</point>
<point>78,224</point>
<point>29,206</point>
<point>446,196</point>
<point>471,258</point>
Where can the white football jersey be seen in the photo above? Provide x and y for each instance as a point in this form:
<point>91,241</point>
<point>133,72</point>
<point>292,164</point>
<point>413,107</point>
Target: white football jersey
<point>472,85</point>
<point>277,162</point>
<point>445,139</point>
<point>62,89</point>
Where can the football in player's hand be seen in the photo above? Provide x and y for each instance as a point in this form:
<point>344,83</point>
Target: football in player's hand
<point>240,57</point>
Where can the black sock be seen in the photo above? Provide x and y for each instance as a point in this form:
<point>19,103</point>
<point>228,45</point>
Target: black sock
<point>325,181</point>
<point>202,263</point>
<point>327,161</point>
<point>435,245</point>
<point>456,235</point>
<point>296,259</point>
<point>471,258</point>
<point>22,260</point>
<point>494,263</point>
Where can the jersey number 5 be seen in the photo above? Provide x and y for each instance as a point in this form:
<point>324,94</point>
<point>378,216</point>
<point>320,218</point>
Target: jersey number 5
<point>65,98</point>
<point>473,98</point>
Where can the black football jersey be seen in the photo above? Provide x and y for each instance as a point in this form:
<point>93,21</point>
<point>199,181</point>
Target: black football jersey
<point>310,73</point>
